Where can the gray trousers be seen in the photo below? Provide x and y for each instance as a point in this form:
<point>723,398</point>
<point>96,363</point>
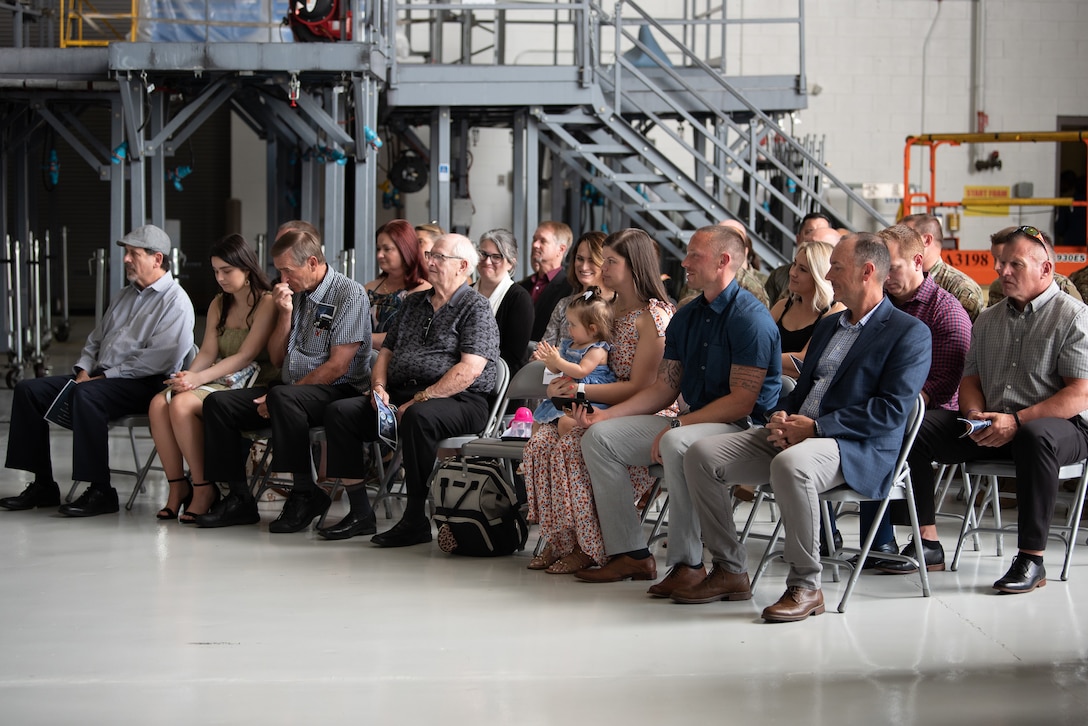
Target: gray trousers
<point>797,475</point>
<point>610,447</point>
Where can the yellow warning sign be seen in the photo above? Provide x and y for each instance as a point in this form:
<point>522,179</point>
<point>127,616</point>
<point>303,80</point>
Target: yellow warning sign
<point>979,201</point>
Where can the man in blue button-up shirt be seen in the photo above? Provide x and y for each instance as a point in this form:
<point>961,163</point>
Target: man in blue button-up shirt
<point>723,354</point>
<point>143,337</point>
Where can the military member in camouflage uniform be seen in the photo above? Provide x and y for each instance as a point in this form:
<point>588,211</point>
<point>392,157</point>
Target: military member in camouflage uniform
<point>966,290</point>
<point>1079,279</point>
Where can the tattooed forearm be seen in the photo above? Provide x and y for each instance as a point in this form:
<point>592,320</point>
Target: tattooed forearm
<point>669,372</point>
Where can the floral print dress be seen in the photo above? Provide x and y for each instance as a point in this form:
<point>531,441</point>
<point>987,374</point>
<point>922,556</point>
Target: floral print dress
<point>560,495</point>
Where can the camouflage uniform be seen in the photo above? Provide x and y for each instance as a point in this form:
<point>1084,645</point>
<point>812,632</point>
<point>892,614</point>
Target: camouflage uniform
<point>777,283</point>
<point>753,283</point>
<point>1080,279</point>
<point>1065,284</point>
<point>966,290</point>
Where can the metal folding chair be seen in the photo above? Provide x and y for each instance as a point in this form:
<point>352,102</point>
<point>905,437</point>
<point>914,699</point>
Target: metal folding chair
<point>902,488</point>
<point>987,473</point>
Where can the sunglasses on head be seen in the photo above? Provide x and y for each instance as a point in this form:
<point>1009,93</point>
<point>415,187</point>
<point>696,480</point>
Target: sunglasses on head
<point>1036,235</point>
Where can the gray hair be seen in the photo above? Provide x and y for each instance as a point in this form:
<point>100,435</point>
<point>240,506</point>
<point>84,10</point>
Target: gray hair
<point>462,247</point>
<point>506,242</point>
<point>871,248</point>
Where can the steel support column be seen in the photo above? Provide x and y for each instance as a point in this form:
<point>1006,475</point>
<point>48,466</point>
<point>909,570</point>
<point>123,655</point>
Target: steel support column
<point>117,199</point>
<point>520,196</point>
<point>333,182</point>
<point>157,163</point>
<point>532,179</point>
<point>440,166</point>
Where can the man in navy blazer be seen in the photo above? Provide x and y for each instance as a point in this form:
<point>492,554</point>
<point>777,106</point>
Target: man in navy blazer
<point>842,424</point>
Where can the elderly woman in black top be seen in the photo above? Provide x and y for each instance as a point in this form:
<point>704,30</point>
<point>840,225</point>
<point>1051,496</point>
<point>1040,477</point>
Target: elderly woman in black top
<point>511,303</point>
<point>438,365</point>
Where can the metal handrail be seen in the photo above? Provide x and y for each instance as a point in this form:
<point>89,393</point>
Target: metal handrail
<point>768,123</point>
<point>76,15</point>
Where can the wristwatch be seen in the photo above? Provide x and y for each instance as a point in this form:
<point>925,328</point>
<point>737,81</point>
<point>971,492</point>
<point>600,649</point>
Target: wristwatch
<point>675,423</point>
<point>421,396</point>
<point>581,389</point>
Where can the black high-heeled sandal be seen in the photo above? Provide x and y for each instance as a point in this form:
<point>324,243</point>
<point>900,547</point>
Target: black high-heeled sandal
<point>190,517</point>
<point>168,513</point>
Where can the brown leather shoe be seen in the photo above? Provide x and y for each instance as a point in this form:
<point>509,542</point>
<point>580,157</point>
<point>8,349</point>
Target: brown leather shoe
<point>680,577</point>
<point>720,584</point>
<point>620,567</point>
<point>796,603</point>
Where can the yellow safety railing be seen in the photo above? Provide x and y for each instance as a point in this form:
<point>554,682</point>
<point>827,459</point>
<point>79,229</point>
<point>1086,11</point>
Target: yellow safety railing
<point>84,25</point>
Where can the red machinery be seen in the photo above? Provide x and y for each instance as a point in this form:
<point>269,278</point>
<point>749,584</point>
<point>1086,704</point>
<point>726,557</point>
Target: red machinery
<point>318,21</point>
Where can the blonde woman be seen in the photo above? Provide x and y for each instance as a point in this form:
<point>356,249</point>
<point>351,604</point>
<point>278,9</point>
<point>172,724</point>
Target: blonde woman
<point>810,298</point>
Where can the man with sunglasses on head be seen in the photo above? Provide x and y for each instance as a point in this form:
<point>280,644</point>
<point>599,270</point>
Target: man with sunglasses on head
<point>996,294</point>
<point>1027,375</point>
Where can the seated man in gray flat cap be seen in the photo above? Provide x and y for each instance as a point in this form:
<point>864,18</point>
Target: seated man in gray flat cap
<point>144,336</point>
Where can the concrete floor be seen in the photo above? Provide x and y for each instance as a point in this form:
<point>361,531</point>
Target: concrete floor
<point>120,619</point>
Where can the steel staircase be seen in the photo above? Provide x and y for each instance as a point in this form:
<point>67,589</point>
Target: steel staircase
<point>726,156</point>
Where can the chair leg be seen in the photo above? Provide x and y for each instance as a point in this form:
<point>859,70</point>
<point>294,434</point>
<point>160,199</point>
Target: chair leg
<point>760,496</point>
<point>768,554</point>
<point>1074,521</point>
<point>916,531</point>
<point>655,533</point>
<point>72,491</point>
<point>825,517</point>
<point>969,520</point>
<point>995,507</point>
<point>141,477</point>
<point>261,475</point>
<point>866,545</point>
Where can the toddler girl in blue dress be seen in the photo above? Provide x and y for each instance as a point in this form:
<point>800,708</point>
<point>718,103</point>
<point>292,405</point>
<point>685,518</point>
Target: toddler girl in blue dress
<point>583,356</point>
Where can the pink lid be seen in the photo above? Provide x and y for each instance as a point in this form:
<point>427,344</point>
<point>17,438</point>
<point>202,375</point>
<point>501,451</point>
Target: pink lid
<point>523,415</point>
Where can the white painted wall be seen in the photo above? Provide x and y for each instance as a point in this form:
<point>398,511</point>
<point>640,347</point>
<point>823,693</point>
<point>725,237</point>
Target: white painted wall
<point>866,57</point>
<point>248,178</point>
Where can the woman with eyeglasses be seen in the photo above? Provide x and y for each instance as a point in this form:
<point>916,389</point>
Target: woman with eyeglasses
<point>402,273</point>
<point>511,304</point>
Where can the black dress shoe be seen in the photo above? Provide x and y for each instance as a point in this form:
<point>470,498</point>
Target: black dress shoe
<point>838,544</point>
<point>36,494</point>
<point>888,548</point>
<point>1023,576</point>
<point>92,502</point>
<point>301,509</point>
<point>405,533</point>
<point>351,526</point>
<point>229,512</point>
<point>933,554</point>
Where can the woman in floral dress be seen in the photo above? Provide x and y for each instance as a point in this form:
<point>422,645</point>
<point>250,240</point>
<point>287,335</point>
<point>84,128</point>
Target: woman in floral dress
<point>560,496</point>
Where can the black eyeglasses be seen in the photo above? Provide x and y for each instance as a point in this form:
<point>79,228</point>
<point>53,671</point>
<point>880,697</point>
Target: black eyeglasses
<point>1037,236</point>
<point>495,259</point>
